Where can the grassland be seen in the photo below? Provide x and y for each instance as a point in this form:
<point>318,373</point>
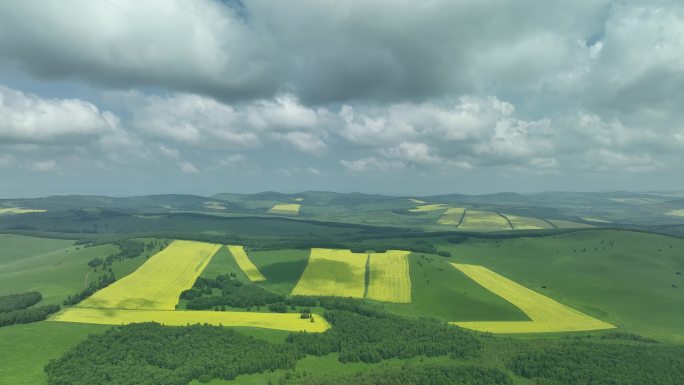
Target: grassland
<point>452,216</point>
<point>55,268</point>
<point>279,321</point>
<point>546,314</point>
<point>223,263</point>
<point>424,208</point>
<point>158,283</point>
<point>389,279</point>
<point>246,264</point>
<point>333,272</point>
<point>484,221</point>
<point>527,223</point>
<point>27,348</point>
<point>285,209</point>
<point>628,279</point>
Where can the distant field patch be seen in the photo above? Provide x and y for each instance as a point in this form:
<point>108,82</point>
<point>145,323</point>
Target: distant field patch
<point>389,277</point>
<point>246,264</point>
<point>568,225</point>
<point>424,208</point>
<point>299,199</point>
<point>546,314</point>
<point>332,272</point>
<point>214,205</point>
<point>452,216</point>
<point>157,284</point>
<point>676,213</point>
<point>599,220</point>
<point>416,201</point>
<point>18,210</point>
<point>285,209</point>
<point>527,223</point>
<point>484,220</point>
<point>280,321</point>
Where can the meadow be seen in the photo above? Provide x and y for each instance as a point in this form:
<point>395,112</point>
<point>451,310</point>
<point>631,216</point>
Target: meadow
<point>285,209</point>
<point>452,216</point>
<point>484,221</point>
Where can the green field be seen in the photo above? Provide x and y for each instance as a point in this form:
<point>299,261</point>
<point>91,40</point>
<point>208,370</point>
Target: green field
<point>27,265</point>
<point>27,348</point>
<point>624,278</point>
<point>282,268</point>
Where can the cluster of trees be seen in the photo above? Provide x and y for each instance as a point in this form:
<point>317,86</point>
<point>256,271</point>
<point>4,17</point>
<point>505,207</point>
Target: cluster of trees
<point>19,309</point>
<point>433,374</point>
<point>103,281</point>
<point>359,338</point>
<point>233,293</point>
<point>19,301</point>
<point>151,354</point>
<point>602,364</point>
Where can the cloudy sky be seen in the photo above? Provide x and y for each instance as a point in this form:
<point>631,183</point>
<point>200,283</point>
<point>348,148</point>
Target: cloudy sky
<point>402,97</point>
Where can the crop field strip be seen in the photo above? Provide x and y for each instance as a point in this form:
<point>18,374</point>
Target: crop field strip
<point>484,220</point>
<point>285,209</point>
<point>546,314</point>
<point>280,321</point>
<point>452,216</point>
<point>245,263</point>
<point>18,210</point>
<point>527,223</point>
<point>426,208</point>
<point>389,279</point>
<point>332,272</point>
<point>157,284</point>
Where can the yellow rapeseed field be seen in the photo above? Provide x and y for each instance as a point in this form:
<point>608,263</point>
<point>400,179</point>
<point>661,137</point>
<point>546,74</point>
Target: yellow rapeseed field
<point>333,272</point>
<point>157,284</point>
<point>287,209</point>
<point>281,321</point>
<point>389,277</point>
<point>452,216</point>
<point>416,201</point>
<point>484,220</point>
<point>546,314</point>
<point>424,208</point>
<point>246,264</point>
<point>19,210</point>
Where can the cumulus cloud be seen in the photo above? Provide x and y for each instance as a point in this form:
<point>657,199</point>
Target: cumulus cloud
<point>27,118</point>
<point>188,168</point>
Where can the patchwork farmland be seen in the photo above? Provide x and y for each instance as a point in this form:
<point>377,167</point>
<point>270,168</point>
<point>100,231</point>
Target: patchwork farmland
<point>246,264</point>
<point>389,279</point>
<point>484,220</point>
<point>333,272</point>
<point>546,314</point>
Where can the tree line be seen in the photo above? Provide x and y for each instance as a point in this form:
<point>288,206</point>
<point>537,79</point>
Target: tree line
<point>19,309</point>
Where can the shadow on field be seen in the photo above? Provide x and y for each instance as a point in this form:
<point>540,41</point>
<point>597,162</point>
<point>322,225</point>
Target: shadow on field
<point>283,272</point>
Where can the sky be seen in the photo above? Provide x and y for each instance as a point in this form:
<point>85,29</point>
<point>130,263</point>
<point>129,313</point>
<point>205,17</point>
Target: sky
<point>119,97</point>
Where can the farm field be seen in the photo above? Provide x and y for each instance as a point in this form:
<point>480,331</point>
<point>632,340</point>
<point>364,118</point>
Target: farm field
<point>561,224</point>
<point>158,283</point>
<point>624,278</point>
<point>279,321</point>
<point>546,314</point>
<point>285,208</point>
<point>282,268</point>
<point>18,210</point>
<point>251,271</point>
<point>483,220</point>
<point>526,223</point>
<point>452,216</point>
<point>676,213</point>
<point>389,279</point>
<point>332,272</point>
<point>424,208</point>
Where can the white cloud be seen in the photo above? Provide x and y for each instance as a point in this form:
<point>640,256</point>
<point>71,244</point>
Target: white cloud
<point>44,166</point>
<point>371,164</point>
<point>188,168</point>
<point>28,118</point>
